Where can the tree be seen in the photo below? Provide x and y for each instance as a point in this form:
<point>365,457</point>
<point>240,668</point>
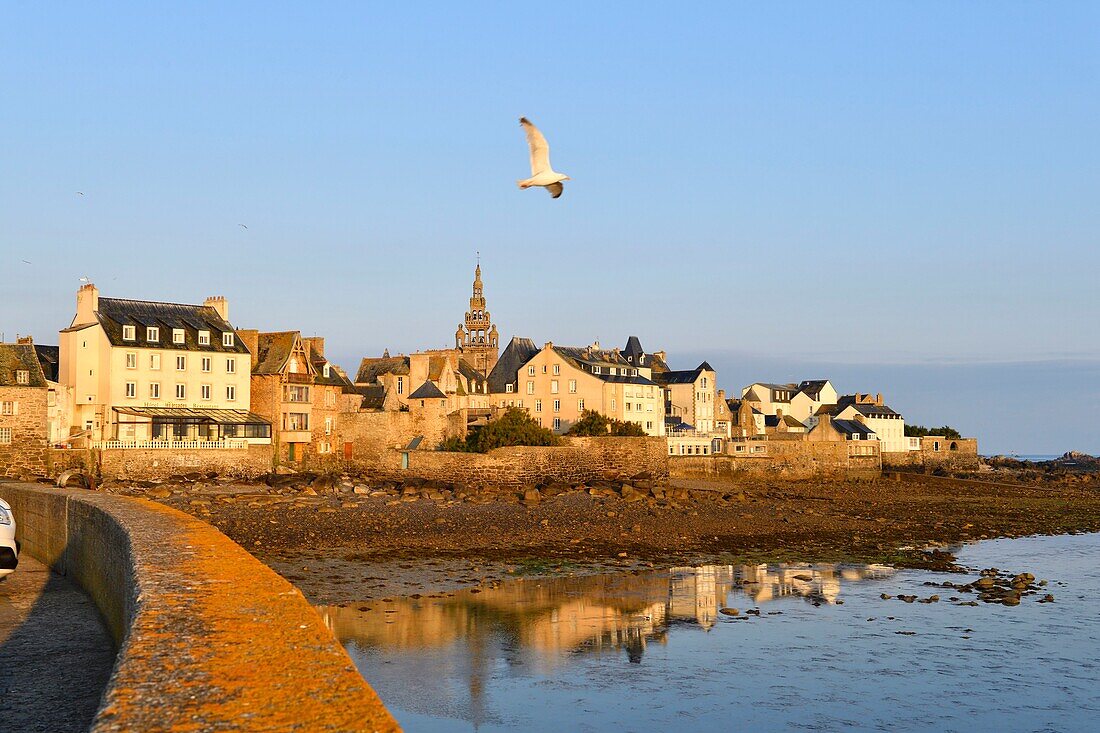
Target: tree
<point>514,427</point>
<point>594,424</point>
<point>919,431</point>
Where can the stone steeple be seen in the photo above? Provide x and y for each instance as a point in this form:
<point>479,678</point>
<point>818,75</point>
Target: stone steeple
<point>477,337</point>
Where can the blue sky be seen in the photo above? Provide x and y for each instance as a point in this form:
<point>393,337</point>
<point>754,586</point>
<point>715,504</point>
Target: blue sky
<point>883,190</point>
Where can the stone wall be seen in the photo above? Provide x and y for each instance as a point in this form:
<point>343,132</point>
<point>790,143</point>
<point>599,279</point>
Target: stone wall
<point>374,436</point>
<point>147,465</point>
<point>26,455</point>
<point>960,454</point>
<point>581,460</point>
<point>209,638</point>
<point>783,459</point>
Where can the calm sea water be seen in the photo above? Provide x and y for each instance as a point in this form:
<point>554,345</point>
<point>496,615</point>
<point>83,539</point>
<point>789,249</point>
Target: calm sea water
<point>651,652</point>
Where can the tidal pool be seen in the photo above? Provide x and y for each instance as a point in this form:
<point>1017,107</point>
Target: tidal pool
<point>652,651</point>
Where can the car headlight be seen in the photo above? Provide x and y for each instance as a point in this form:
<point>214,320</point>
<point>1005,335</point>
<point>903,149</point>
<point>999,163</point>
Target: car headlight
<point>5,516</point>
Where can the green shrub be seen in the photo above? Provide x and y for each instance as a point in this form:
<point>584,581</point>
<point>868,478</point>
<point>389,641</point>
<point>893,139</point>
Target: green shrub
<point>514,427</point>
<point>594,424</point>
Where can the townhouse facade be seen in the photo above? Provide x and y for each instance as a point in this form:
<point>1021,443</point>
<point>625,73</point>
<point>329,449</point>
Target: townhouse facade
<point>144,370</point>
<point>24,409</point>
<point>557,384</point>
<point>886,423</point>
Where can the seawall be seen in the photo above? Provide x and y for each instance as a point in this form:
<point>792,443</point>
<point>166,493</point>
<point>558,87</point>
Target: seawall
<point>209,638</point>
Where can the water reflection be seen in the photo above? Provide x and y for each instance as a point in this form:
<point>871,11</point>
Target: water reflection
<point>554,617</point>
<point>651,652</point>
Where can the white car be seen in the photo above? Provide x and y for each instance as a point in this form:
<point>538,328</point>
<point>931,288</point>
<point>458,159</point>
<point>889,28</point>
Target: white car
<point>9,548</point>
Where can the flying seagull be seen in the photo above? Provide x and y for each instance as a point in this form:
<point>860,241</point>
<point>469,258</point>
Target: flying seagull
<point>27,262</point>
<point>79,193</point>
<point>541,172</point>
<point>242,225</point>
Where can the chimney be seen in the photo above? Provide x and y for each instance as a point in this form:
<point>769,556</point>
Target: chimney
<point>660,355</point>
<point>27,340</point>
<point>315,344</point>
<point>220,304</point>
<point>250,337</point>
<point>87,303</point>
<point>722,395</point>
<point>878,399</point>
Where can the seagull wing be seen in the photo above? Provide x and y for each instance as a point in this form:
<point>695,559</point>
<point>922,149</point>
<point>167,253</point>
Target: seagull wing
<point>555,189</point>
<point>540,149</point>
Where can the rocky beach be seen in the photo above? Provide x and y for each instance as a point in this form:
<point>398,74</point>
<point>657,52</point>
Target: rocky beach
<point>342,537</point>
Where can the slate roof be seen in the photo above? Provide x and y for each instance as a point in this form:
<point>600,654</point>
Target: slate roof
<point>372,368</point>
<point>812,387</point>
<point>853,427</point>
<point>682,376</point>
<point>336,377</point>
<point>272,351</point>
<point>49,357</point>
<point>637,356</point>
<point>427,391</point>
<point>772,421</point>
<point>865,409</point>
<point>518,352</point>
<point>373,395</point>
<point>20,358</point>
<point>114,313</point>
<point>586,358</point>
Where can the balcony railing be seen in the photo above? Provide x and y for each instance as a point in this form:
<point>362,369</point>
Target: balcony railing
<point>169,444</point>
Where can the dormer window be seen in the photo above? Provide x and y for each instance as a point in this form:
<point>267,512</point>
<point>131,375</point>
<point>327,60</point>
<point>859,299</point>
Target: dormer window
<point>129,333</point>
<point>227,338</point>
<point>22,376</point>
<point>177,336</point>
<point>152,333</point>
<point>327,371</point>
<point>204,338</point>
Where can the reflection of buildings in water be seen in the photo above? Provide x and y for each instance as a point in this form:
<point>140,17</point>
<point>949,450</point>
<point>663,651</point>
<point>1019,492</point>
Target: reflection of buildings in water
<point>535,622</point>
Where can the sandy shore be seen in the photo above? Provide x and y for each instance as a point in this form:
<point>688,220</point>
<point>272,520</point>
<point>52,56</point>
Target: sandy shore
<point>345,547</point>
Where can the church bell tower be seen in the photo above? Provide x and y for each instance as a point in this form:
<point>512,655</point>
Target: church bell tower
<point>477,338</point>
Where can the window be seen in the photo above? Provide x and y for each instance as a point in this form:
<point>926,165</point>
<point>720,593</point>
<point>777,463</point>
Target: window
<point>580,405</point>
<point>9,408</point>
<point>131,389</point>
<point>613,404</point>
<point>557,405</point>
<point>557,369</point>
<point>557,423</point>
<point>328,426</point>
<point>205,363</point>
<point>508,388</point>
<point>181,363</point>
<point>648,425</point>
<point>295,393</point>
<point>204,338</point>
<point>129,333</point>
<point>154,390</point>
<point>330,399</point>
<point>400,385</point>
<point>230,393</point>
<point>538,405</point>
<point>181,391</point>
<point>177,336</point>
<point>152,333</point>
<point>531,370</point>
<point>231,366</point>
<point>22,376</point>
<point>326,371</point>
<point>572,386</point>
<point>204,391</point>
<point>227,338</point>
<point>596,370</point>
<point>154,362</point>
<point>553,386</point>
<point>544,369</point>
<point>295,421</point>
<point>131,360</point>
<point>5,436</point>
<point>530,386</point>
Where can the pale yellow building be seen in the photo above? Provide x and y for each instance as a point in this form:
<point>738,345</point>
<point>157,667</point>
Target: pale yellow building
<point>144,371</point>
<point>556,384</point>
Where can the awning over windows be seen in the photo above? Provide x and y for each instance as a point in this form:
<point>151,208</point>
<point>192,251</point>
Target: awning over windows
<point>195,415</point>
